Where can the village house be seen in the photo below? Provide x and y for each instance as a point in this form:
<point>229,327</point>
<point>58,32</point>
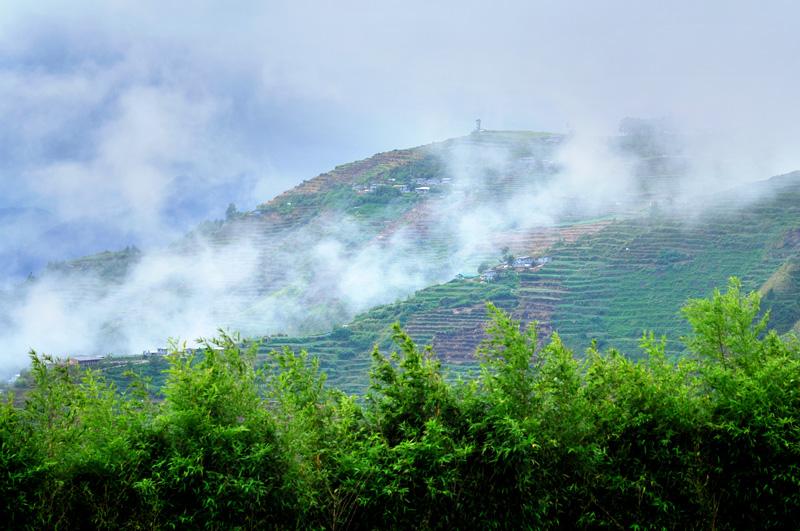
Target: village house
<point>429,181</point>
<point>523,261</point>
<point>86,362</point>
<point>489,276</point>
<point>526,262</point>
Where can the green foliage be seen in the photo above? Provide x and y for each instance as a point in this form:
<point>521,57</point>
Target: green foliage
<point>215,459</point>
<point>508,371</point>
<point>74,437</point>
<point>536,439</point>
<point>410,446</point>
<point>782,296</point>
<point>725,327</point>
<point>231,213</point>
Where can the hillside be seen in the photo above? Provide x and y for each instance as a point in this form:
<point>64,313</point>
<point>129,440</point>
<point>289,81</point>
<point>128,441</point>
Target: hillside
<point>610,283</point>
<point>296,264</point>
<point>399,237</point>
<point>781,294</point>
<point>605,280</point>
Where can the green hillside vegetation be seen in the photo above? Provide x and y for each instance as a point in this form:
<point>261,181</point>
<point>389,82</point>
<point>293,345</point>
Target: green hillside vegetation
<point>108,265</point>
<point>346,190</point>
<point>781,295</point>
<point>536,439</point>
<point>634,274</point>
<point>609,277</point>
<point>344,352</point>
<point>360,205</point>
<point>608,285</point>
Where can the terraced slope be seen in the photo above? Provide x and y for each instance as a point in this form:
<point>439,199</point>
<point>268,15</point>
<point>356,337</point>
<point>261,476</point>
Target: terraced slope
<point>295,249</point>
<point>606,277</point>
<point>454,311</point>
<point>638,273</point>
<point>781,295</point>
<point>607,284</point>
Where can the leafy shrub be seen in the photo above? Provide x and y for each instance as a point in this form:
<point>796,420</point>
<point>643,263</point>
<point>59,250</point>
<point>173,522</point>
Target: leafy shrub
<point>537,439</point>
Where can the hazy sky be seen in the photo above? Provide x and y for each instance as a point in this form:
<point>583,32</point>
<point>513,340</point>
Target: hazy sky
<point>127,122</point>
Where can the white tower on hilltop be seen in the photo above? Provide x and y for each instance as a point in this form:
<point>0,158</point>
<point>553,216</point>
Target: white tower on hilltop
<point>478,125</point>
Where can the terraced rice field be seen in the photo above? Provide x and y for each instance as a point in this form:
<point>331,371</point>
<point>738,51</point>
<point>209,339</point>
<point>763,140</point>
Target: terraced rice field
<point>609,284</point>
<point>638,273</point>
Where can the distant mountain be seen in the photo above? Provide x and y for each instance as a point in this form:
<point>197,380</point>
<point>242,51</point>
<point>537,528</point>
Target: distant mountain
<point>32,237</point>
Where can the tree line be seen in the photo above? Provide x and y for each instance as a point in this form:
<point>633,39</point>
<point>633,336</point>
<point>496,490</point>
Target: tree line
<point>539,438</point>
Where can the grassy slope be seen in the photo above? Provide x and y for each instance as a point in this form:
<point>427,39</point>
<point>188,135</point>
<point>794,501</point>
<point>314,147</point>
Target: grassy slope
<point>637,274</point>
<point>610,286</point>
<point>781,295</point>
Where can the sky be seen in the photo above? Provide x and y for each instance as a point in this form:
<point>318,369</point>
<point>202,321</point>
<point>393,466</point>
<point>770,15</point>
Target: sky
<point>129,122</point>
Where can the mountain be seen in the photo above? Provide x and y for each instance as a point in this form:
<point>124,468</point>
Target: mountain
<point>363,234</point>
<point>32,237</point>
<point>329,265</point>
<point>608,281</point>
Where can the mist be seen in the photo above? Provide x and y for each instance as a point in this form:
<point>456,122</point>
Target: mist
<point>129,123</point>
<point>247,277</point>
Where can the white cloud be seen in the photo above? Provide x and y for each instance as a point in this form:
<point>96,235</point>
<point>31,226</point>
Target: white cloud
<point>147,117</point>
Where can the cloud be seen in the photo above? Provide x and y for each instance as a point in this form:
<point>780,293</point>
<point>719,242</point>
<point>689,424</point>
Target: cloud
<point>294,88</point>
<point>131,122</point>
<point>149,139</point>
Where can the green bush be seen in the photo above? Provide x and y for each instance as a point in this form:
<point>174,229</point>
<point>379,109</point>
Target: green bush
<point>539,438</point>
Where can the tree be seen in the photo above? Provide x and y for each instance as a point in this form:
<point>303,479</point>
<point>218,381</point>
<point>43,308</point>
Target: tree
<point>726,326</point>
<point>231,212</point>
<point>508,258</point>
